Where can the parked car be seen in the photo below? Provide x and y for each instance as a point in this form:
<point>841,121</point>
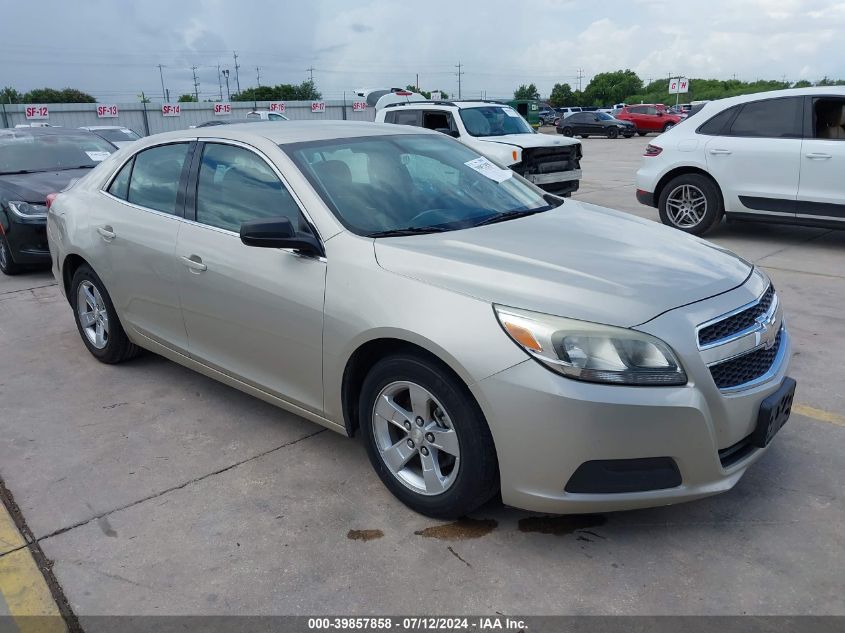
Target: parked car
<point>266,115</point>
<point>547,116</point>
<point>481,335</point>
<point>34,162</point>
<point>768,157</point>
<point>648,117</point>
<point>226,121</point>
<point>500,133</point>
<point>584,124</point>
<point>117,135</point>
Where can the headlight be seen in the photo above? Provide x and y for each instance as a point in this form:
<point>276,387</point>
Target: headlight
<point>592,352</point>
<point>28,211</point>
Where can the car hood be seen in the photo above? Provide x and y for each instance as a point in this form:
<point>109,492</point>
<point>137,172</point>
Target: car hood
<point>35,187</point>
<point>529,140</point>
<point>578,261</point>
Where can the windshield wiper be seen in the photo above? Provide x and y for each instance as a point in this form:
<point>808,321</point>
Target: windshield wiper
<point>411,230</point>
<point>19,171</point>
<point>511,215</point>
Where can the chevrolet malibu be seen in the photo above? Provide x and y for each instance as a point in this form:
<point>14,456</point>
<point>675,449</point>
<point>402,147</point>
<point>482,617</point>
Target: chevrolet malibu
<point>480,334</point>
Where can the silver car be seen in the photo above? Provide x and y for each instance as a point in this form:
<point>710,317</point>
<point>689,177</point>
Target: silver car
<point>482,335</point>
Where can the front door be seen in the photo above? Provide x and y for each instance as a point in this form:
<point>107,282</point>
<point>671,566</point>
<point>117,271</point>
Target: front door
<point>255,314</point>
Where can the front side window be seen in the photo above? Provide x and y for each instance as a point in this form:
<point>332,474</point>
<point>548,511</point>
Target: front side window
<point>771,118</point>
<point>236,185</point>
<point>494,121</point>
<point>409,183</point>
<point>155,177</point>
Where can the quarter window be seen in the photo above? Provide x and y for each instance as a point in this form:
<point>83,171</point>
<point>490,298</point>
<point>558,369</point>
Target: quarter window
<point>120,185</point>
<point>406,117</point>
<point>235,185</point>
<point>770,118</point>
<point>716,125</point>
<point>156,175</point>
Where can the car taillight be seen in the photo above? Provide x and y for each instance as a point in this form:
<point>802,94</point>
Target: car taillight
<point>50,198</point>
<point>652,150</point>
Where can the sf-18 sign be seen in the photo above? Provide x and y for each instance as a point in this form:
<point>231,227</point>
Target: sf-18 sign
<point>359,106</point>
<point>277,106</point>
<point>37,112</point>
<point>318,106</point>
<point>678,85</point>
<point>171,109</point>
<point>222,108</point>
<point>107,111</point>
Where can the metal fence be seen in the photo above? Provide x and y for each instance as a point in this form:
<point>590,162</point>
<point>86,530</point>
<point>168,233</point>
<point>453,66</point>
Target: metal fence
<point>148,118</point>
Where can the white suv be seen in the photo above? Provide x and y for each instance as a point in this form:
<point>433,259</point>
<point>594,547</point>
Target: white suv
<point>771,157</point>
<point>499,132</point>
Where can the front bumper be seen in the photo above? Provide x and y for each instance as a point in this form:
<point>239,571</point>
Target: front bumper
<point>546,427</point>
<point>28,241</point>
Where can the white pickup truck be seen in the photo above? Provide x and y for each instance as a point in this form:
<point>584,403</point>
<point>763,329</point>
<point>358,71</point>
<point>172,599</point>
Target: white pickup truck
<point>499,132</point>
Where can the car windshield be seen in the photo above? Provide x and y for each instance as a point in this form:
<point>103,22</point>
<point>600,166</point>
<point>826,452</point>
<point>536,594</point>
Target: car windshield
<point>118,135</point>
<point>494,121</point>
<point>407,183</point>
<point>24,152</point>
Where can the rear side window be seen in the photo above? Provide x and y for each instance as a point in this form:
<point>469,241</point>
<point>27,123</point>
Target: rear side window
<point>120,185</point>
<point>771,118</point>
<point>716,125</point>
<point>156,175</point>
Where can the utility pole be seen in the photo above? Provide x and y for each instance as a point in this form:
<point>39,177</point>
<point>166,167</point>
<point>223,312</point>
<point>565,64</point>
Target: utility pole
<point>167,95</point>
<point>237,76</point>
<point>459,73</point>
<point>310,70</point>
<point>163,91</point>
<point>418,82</point>
<point>580,77</point>
<point>226,75</point>
<point>219,82</point>
<point>258,75</point>
<point>196,84</point>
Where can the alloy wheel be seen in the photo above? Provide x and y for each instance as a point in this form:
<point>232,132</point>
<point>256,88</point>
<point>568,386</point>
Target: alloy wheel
<point>415,438</point>
<point>686,206</point>
<point>92,314</point>
<point>4,255</point>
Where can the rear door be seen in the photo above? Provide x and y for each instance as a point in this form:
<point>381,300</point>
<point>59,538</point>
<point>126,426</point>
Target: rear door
<point>821,194</point>
<point>756,157</point>
<point>255,314</point>
<point>403,116</point>
<point>136,230</point>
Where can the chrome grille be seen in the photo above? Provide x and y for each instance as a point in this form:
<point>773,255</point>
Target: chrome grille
<point>747,367</point>
<point>736,323</point>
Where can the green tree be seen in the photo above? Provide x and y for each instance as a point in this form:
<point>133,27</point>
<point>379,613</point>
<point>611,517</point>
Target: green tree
<point>802,83</point>
<point>187,98</point>
<point>51,95</point>
<point>526,92</point>
<point>612,87</point>
<point>561,95</point>
<point>306,91</point>
<point>10,95</point>
<point>426,93</point>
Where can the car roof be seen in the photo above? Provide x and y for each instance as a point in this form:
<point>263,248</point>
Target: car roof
<point>93,128</point>
<point>717,105</point>
<point>291,131</point>
<point>44,131</point>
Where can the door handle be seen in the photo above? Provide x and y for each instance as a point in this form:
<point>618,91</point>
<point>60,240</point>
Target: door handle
<point>194,262</point>
<point>818,156</point>
<point>107,233</point>
<point>720,152</point>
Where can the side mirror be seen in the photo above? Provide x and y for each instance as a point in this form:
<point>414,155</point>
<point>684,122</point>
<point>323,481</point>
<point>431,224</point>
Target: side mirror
<point>448,131</point>
<point>278,233</point>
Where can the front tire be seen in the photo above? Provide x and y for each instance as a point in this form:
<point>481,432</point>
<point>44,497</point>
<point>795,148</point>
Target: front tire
<point>612,133</point>
<point>691,203</point>
<point>7,263</point>
<point>426,437</point>
<point>97,320</point>
<point>567,131</point>
<point>668,127</point>
<point>642,133</point>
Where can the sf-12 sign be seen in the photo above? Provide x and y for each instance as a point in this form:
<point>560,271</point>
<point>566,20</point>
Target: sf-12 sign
<point>171,109</point>
<point>359,106</point>
<point>277,106</point>
<point>107,111</point>
<point>678,85</point>
<point>318,106</point>
<point>37,112</point>
<point>222,108</point>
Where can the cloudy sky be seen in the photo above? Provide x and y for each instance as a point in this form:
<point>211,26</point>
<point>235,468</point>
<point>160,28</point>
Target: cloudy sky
<point>112,48</point>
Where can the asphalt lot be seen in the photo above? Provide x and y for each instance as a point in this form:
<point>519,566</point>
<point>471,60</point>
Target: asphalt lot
<point>158,491</point>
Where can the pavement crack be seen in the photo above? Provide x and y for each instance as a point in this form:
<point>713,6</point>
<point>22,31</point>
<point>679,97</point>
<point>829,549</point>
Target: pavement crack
<point>458,556</point>
<point>161,493</point>
<point>785,248</point>
<point>11,292</point>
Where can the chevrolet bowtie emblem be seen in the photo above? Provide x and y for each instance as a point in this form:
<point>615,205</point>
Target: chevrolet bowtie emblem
<point>766,333</point>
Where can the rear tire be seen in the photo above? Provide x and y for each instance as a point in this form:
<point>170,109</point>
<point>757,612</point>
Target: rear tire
<point>668,127</point>
<point>691,203</point>
<point>7,262</point>
<point>612,133</point>
<point>642,133</point>
<point>96,319</point>
<point>410,389</point>
<point>585,136</point>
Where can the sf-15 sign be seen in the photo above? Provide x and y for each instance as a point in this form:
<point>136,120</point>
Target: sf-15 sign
<point>107,111</point>
<point>222,108</point>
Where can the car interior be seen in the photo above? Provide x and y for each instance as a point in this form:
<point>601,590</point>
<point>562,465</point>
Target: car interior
<point>830,118</point>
